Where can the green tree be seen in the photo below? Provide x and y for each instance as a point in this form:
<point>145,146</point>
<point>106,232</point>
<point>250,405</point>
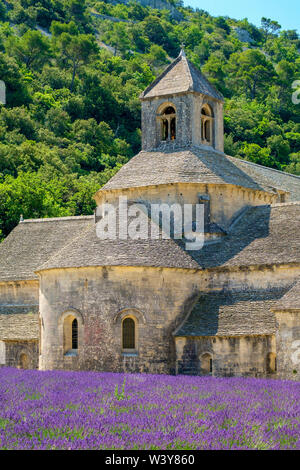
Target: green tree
<point>78,50</point>
<point>294,164</point>
<point>250,72</point>
<point>58,121</point>
<point>137,11</point>
<point>215,71</point>
<point>33,49</point>
<point>280,148</point>
<point>20,119</point>
<point>269,27</point>
<point>28,194</point>
<point>2,12</point>
<point>156,56</point>
<point>58,28</point>
<point>17,92</point>
<point>118,38</point>
<point>255,153</point>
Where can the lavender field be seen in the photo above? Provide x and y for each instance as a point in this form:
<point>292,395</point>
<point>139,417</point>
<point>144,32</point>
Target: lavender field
<point>89,410</point>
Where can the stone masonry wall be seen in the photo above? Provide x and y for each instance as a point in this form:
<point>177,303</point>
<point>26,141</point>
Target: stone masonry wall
<point>101,296</point>
<point>227,201</point>
<point>159,299</point>
<point>188,120</point>
<point>233,356</point>
<point>15,349</point>
<point>19,293</point>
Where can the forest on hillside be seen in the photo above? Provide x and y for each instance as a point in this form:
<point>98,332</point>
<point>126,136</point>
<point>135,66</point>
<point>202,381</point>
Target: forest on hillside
<point>74,70</point>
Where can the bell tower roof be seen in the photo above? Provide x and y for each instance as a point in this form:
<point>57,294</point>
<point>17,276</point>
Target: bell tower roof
<point>181,77</point>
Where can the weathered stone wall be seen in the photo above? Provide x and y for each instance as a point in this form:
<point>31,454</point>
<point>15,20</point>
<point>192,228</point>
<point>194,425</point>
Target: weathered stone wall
<point>19,293</point>
<point>188,120</point>
<point>101,295</point>
<point>232,356</point>
<point>15,349</point>
<point>227,201</point>
<point>151,133</point>
<point>288,344</point>
<point>159,299</point>
<point>19,300</point>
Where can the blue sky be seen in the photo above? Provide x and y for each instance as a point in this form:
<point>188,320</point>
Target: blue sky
<point>286,12</point>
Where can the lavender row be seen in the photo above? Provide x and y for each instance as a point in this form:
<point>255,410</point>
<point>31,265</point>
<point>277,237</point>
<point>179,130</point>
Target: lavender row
<point>90,410</point>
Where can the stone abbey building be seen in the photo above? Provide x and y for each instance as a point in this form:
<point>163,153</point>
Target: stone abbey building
<point>71,300</point>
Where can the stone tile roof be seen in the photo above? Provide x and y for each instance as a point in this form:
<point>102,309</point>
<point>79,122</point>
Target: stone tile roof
<point>180,77</point>
<point>33,241</point>
<point>196,165</point>
<point>89,250</point>
<point>270,177</point>
<point>19,327</point>
<point>291,300</point>
<point>263,236</point>
<point>232,314</point>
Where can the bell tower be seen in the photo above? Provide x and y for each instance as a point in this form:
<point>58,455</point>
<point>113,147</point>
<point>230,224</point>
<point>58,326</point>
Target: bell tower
<point>181,108</point>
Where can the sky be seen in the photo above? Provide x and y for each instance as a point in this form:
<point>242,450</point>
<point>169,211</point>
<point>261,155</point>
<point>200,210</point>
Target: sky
<point>286,12</point>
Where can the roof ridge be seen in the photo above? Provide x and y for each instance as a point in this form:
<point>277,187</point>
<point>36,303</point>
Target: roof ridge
<point>179,165</point>
<point>190,80</point>
<point>196,70</point>
<point>160,76</point>
<point>263,166</point>
<point>283,302</point>
<point>187,63</point>
<point>55,219</point>
<point>284,204</point>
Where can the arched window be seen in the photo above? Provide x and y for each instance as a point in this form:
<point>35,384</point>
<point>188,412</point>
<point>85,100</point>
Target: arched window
<point>168,123</point>
<point>271,363</point>
<point>128,334</point>
<point>206,364</point>
<point>74,334</point>
<point>70,332</point>
<point>207,125</point>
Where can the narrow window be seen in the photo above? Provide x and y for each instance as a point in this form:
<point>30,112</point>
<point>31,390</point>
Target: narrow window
<point>173,128</point>
<point>165,129</point>
<point>207,125</point>
<point>74,334</point>
<point>207,131</point>
<point>70,335</point>
<point>168,124</point>
<point>128,333</point>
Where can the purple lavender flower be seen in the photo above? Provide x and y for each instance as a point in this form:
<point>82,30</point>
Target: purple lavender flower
<point>82,410</point>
